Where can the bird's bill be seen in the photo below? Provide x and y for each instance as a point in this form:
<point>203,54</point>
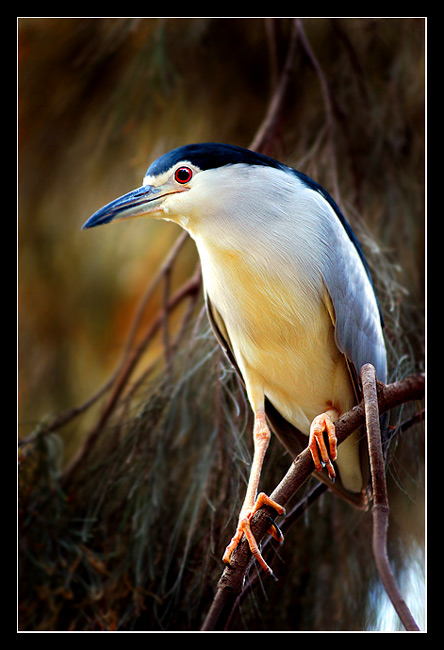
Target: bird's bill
<point>137,203</point>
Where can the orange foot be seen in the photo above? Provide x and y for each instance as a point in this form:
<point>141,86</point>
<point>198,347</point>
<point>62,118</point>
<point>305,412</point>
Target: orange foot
<point>316,442</point>
<point>244,527</point>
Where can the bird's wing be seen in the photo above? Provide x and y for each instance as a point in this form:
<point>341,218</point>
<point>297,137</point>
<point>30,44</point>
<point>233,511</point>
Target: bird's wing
<point>219,329</point>
<point>351,302</point>
<point>353,307</point>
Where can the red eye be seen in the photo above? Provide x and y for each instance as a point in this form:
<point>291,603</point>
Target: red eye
<point>183,175</point>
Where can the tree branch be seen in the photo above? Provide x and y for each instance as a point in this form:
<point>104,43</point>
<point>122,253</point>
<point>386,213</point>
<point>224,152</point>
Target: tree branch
<point>380,507</point>
<point>326,94</point>
<point>277,99</point>
<point>188,289</point>
<point>61,419</point>
<point>231,582</point>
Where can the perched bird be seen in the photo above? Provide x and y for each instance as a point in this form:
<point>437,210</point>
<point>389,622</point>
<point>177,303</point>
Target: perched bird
<point>288,294</point>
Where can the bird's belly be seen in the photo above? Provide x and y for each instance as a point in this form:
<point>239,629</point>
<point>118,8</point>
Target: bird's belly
<point>282,336</point>
<point>302,375</point>
<point>283,341</point>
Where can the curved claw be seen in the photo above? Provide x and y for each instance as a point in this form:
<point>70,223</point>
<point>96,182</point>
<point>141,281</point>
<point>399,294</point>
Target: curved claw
<point>316,443</point>
<point>244,528</point>
<point>275,531</point>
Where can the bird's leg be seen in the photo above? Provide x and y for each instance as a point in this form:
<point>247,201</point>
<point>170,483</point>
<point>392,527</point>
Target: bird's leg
<point>316,443</point>
<point>253,501</point>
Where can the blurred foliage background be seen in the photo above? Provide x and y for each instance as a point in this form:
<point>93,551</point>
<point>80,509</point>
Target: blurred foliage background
<point>98,100</point>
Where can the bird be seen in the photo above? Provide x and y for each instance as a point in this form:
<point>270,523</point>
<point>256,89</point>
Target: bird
<point>290,299</point>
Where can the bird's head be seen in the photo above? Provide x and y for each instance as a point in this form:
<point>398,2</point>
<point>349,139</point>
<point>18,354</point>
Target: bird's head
<point>180,183</point>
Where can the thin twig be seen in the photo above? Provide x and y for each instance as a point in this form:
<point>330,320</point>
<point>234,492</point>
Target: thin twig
<point>164,268</point>
<point>380,507</point>
<point>165,323</point>
<point>327,102</point>
<point>61,419</point>
<point>178,337</point>
<point>232,580</point>
<point>270,28</point>
<point>276,102</point>
<point>189,288</point>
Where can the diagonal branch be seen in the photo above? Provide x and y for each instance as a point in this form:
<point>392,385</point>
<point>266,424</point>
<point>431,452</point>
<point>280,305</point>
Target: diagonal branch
<point>231,582</point>
<point>61,419</point>
<point>188,289</point>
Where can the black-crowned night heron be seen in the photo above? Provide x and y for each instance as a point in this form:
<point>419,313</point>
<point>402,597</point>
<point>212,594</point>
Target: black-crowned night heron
<point>289,297</point>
